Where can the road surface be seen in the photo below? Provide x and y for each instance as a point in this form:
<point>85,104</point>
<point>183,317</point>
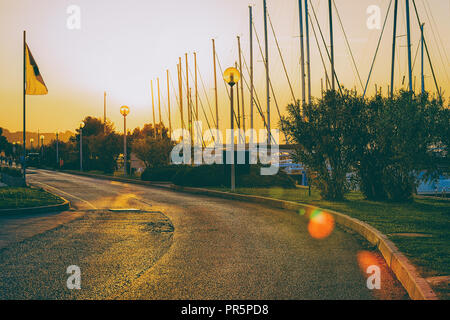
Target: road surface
<point>178,246</point>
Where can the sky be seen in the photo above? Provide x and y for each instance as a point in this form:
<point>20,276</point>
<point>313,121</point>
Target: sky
<point>122,45</point>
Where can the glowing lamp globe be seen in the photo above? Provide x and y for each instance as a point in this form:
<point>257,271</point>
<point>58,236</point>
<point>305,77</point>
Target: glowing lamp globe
<point>231,76</point>
<point>124,110</point>
<point>82,124</point>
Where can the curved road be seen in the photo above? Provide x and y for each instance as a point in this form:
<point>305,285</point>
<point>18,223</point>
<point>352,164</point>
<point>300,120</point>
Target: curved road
<point>180,246</point>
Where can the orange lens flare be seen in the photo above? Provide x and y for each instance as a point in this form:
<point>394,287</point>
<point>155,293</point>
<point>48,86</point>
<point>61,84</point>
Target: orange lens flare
<point>366,259</point>
<point>321,225</point>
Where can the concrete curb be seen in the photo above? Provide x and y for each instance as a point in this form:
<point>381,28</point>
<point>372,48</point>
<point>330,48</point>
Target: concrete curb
<point>416,286</point>
<point>53,208</point>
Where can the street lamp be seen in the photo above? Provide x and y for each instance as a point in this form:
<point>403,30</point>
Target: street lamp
<point>82,124</point>
<point>31,143</point>
<point>232,77</point>
<point>124,110</point>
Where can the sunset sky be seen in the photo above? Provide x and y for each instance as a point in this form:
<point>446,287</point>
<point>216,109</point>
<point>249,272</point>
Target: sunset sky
<point>124,44</point>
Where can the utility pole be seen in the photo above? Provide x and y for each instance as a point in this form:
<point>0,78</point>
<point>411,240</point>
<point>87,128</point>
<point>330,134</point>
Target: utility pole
<point>302,51</point>
<point>408,36</point>
<point>308,62</point>
<point>153,108</point>
<point>330,9</point>
<point>215,84</point>
<point>104,110</point>
<point>394,40</point>
<point>266,40</point>
<point>168,104</point>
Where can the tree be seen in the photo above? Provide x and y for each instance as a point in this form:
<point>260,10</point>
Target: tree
<point>153,152</point>
<point>404,135</point>
<point>327,134</point>
<point>149,131</point>
<point>101,147</point>
<point>5,146</point>
<point>388,142</point>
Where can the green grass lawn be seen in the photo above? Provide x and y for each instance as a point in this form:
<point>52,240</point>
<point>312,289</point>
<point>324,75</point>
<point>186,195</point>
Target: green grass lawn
<point>12,198</point>
<point>424,216</point>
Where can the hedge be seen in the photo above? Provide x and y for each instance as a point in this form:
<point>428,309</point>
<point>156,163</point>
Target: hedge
<point>217,176</point>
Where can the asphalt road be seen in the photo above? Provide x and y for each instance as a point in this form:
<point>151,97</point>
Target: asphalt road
<point>179,246</point>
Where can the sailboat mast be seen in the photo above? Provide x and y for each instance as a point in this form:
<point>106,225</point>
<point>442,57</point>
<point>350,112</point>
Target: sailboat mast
<point>215,84</point>
<point>196,86</point>
<point>251,71</point>
<point>302,51</point>
<point>238,117</point>
<point>180,89</point>
<point>394,40</point>
<point>330,10</point>
<point>422,66</point>
<point>308,62</point>
<point>188,95</point>
<point>168,104</point>
<point>159,109</point>
<point>408,36</point>
<point>267,72</point>
<point>242,83</point>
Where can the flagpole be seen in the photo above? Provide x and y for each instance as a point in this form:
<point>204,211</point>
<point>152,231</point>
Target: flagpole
<point>24,108</point>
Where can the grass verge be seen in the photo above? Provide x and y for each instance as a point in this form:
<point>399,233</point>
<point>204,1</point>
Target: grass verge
<point>16,198</point>
<point>429,219</point>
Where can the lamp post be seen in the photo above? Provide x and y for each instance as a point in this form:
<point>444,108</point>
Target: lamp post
<point>42,147</point>
<point>124,110</point>
<point>31,143</point>
<point>232,77</point>
<point>57,149</point>
<point>82,124</point>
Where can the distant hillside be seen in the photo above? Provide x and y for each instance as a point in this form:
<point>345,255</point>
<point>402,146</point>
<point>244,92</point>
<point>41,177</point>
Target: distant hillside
<point>48,137</point>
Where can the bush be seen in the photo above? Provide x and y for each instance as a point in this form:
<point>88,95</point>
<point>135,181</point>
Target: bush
<point>165,173</point>
<point>401,135</point>
<point>202,176</point>
<point>215,176</point>
<point>327,134</point>
<point>13,172</point>
<point>385,141</point>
